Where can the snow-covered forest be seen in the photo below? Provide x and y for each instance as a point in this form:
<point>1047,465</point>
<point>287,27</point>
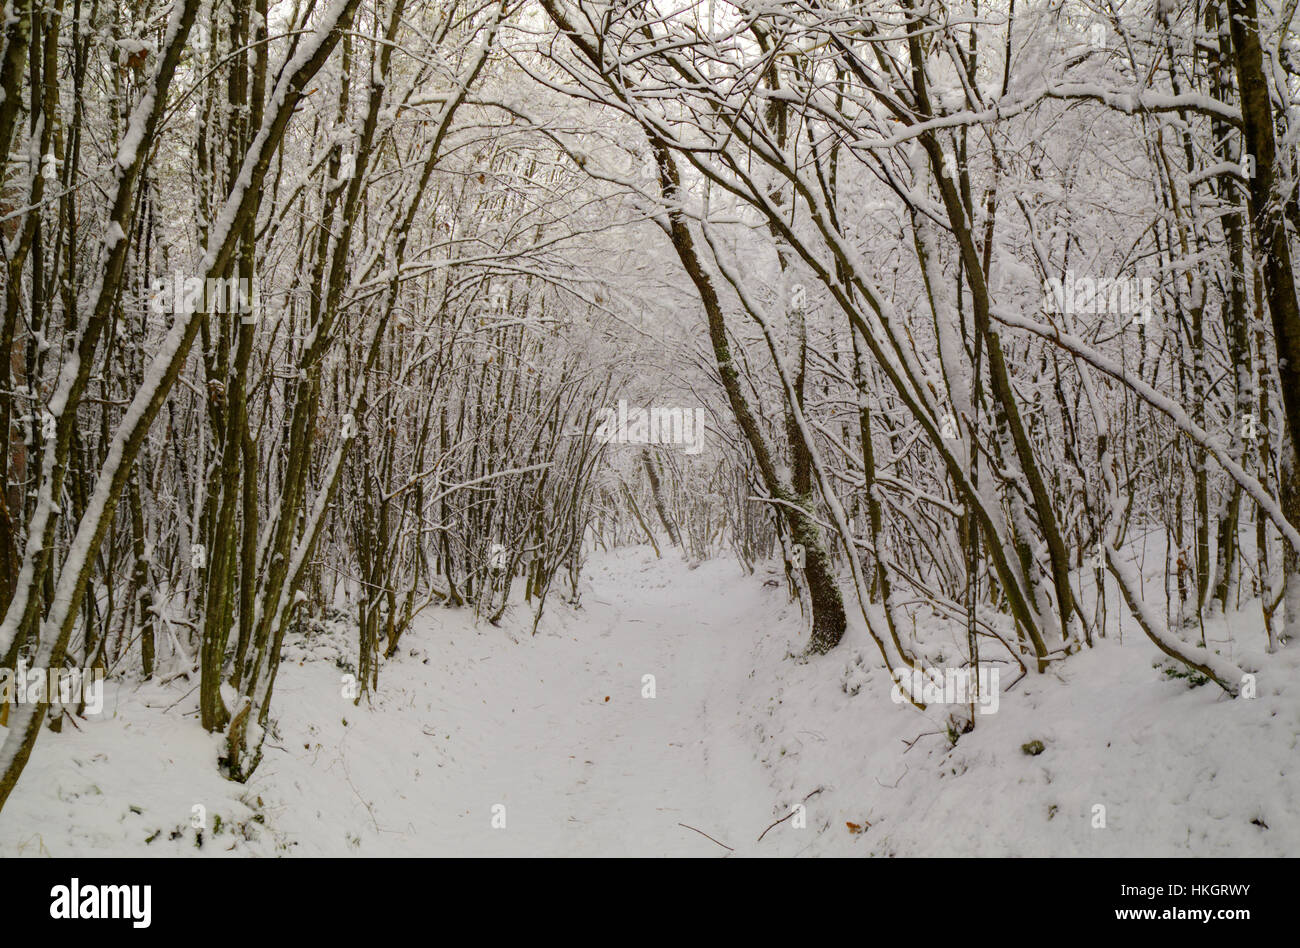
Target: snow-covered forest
<point>604,427</point>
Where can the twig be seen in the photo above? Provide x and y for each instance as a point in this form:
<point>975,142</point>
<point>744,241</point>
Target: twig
<point>790,814</point>
<point>178,700</point>
<point>912,743</point>
<point>777,823</point>
<point>707,836</point>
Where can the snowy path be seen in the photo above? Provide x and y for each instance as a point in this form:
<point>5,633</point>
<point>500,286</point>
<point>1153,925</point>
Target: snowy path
<point>582,761</point>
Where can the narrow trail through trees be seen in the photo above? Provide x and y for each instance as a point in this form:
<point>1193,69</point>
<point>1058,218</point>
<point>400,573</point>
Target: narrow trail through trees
<point>582,758</point>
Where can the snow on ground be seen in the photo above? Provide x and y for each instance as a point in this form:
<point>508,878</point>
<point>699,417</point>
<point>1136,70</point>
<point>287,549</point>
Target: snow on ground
<point>555,728</point>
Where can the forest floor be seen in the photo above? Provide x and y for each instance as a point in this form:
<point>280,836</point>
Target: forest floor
<point>558,730</point>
